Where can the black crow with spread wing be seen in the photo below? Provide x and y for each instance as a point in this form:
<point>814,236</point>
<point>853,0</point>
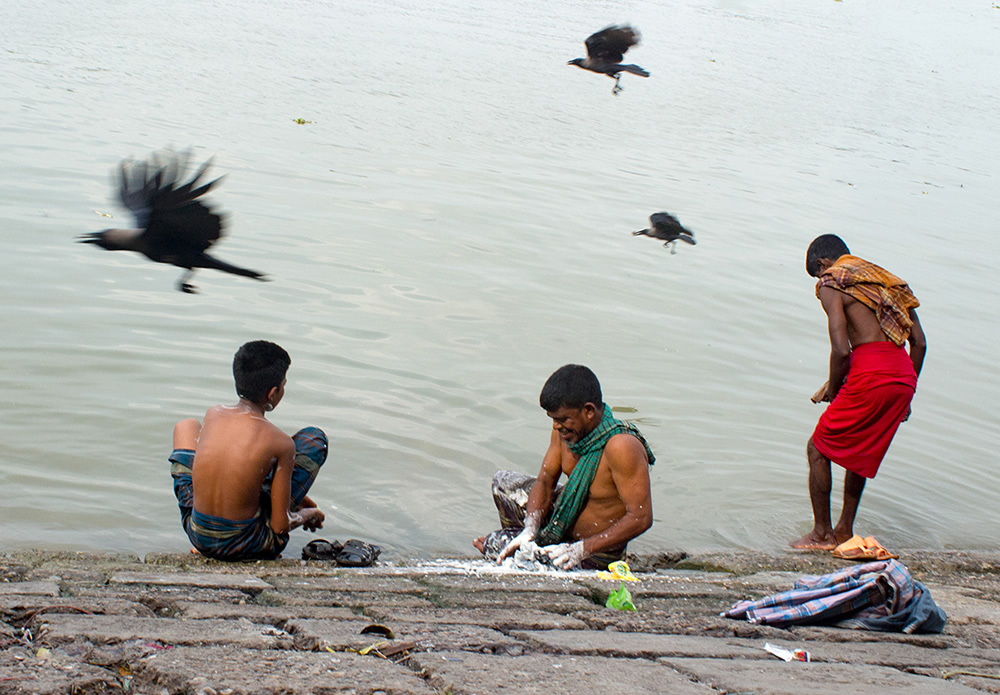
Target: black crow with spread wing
<point>605,50</point>
<point>173,225</point>
<point>665,226</point>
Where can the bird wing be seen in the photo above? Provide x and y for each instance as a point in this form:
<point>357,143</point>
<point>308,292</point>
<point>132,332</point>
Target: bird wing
<point>170,211</point>
<point>609,44</point>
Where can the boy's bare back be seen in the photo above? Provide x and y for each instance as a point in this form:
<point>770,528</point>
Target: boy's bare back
<point>237,449</point>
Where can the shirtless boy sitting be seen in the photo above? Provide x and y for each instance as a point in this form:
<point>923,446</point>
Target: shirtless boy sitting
<point>240,482</point>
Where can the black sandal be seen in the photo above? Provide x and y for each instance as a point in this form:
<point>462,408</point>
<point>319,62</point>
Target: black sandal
<point>355,553</point>
<point>321,549</point>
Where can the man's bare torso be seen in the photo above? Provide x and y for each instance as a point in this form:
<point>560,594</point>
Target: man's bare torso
<point>862,324</point>
<point>604,506</point>
<point>236,451</point>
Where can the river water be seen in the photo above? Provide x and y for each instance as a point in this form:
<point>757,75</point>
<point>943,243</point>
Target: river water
<point>453,223</point>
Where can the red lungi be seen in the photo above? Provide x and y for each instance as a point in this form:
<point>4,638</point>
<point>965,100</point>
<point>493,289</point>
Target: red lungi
<point>856,429</point>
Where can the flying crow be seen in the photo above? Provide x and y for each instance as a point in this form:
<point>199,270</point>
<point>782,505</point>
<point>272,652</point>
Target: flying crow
<point>605,49</point>
<point>173,225</point>
<point>665,226</point>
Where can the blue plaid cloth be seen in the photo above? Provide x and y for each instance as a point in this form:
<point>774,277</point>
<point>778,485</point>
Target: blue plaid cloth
<point>871,590</point>
<point>246,539</point>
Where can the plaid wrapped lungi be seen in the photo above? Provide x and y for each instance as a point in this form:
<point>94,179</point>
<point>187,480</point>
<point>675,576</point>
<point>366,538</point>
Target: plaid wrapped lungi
<point>247,539</point>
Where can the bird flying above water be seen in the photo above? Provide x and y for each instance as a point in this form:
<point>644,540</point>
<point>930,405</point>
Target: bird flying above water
<point>666,227</point>
<point>605,50</point>
<point>172,224</point>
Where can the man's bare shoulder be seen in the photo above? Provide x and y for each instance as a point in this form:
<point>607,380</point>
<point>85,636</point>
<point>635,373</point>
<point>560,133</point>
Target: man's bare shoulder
<point>625,448</point>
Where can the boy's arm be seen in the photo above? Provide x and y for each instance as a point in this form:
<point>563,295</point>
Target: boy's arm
<point>840,344</point>
<point>281,487</point>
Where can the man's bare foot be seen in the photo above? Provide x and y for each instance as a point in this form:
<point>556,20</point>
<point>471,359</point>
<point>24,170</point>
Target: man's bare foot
<point>815,541</point>
<point>479,543</point>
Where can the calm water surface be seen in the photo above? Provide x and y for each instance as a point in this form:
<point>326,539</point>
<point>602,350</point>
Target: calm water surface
<point>453,224</point>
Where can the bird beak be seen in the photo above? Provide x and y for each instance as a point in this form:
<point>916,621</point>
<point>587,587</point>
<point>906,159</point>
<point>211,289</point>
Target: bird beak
<point>90,238</point>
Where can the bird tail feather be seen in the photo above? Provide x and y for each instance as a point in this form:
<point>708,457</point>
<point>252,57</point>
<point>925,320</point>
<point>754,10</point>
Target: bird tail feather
<point>216,264</point>
<point>635,70</point>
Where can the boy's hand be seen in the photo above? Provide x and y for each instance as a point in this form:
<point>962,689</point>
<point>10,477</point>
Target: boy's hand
<point>310,518</point>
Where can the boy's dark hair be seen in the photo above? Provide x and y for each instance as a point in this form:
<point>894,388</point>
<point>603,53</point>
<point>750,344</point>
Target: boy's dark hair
<point>826,246</point>
<point>570,386</point>
<point>258,367</point>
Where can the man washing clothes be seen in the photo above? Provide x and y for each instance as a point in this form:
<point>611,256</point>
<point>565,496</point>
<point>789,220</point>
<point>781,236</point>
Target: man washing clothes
<point>871,316</point>
<point>606,500</point>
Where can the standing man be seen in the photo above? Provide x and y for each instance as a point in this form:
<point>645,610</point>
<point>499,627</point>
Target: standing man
<point>871,315</point>
<point>606,501</point>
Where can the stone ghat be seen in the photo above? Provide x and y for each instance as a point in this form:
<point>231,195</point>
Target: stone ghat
<point>180,624</point>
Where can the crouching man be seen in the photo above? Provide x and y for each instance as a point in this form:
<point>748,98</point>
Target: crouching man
<point>605,502</point>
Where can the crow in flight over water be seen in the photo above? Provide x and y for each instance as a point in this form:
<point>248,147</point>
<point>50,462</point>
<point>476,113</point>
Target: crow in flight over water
<point>173,225</point>
<point>605,50</point>
<point>665,226</point>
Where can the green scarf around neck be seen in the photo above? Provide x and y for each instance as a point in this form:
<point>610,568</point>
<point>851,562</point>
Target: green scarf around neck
<point>574,495</point>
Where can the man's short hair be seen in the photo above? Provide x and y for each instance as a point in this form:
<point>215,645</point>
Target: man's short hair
<point>570,386</point>
<point>826,246</point>
<point>259,366</point>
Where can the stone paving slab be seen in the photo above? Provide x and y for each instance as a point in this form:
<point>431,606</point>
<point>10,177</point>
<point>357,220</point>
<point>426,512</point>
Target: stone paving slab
<point>496,618</point>
<point>160,598</point>
<point>462,673</point>
<point>556,583</point>
<point>471,638</point>
<point>204,580</point>
<point>348,583</point>
<point>273,615</point>
<point>638,644</point>
<point>191,670</point>
<point>897,655</point>
<point>795,678</point>
<point>764,583</point>
<point>964,605</point>
<point>20,606</point>
<point>36,588</point>
<point>835,634</point>
<point>22,673</point>
<point>540,600</point>
<point>346,599</point>
<point>63,628</point>
<point>670,622</point>
<point>319,635</point>
<point>665,587</point>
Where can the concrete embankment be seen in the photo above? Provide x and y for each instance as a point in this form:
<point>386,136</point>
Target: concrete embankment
<point>172,624</point>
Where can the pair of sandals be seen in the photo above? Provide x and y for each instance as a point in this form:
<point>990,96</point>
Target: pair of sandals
<point>353,553</point>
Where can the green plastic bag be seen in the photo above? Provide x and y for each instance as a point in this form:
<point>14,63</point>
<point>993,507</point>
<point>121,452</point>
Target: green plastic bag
<point>621,599</point>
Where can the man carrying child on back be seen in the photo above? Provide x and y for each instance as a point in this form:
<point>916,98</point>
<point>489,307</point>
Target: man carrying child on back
<point>240,482</point>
